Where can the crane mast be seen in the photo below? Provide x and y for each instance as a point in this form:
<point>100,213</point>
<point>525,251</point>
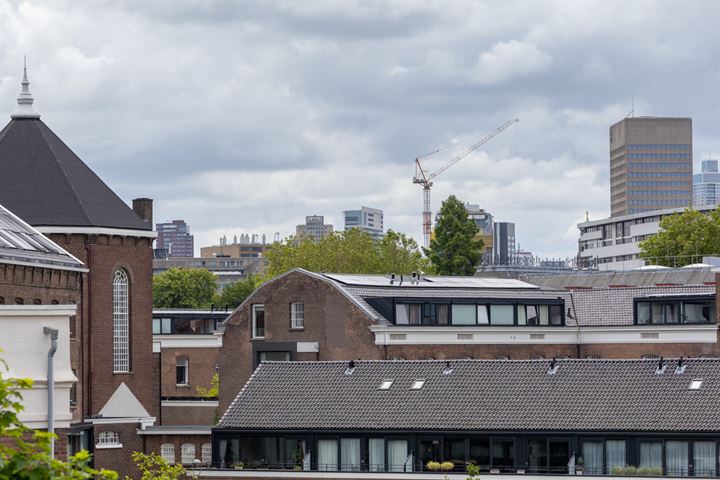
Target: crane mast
<point>423,178</point>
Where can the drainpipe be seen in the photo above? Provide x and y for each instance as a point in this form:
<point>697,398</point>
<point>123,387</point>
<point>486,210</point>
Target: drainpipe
<point>51,384</point>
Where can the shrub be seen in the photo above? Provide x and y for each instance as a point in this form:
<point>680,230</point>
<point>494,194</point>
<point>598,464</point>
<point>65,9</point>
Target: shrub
<point>433,466</point>
<point>630,470</point>
<point>618,471</point>
<point>447,466</point>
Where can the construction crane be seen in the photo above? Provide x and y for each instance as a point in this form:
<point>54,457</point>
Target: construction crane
<point>423,178</point>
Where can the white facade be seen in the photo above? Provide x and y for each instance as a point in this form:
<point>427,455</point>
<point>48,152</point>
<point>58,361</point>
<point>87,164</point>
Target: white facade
<point>613,243</point>
<point>25,348</point>
<point>706,185</point>
<point>368,219</point>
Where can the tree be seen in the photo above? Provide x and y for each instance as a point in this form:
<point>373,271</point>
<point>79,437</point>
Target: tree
<point>27,454</point>
<point>184,288</point>
<point>213,391</point>
<point>683,239</point>
<point>455,248</point>
<point>351,251</point>
<point>153,467</point>
<point>235,293</point>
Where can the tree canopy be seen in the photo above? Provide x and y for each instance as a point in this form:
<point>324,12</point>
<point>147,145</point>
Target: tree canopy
<point>455,248</point>
<point>235,293</point>
<point>184,288</point>
<point>684,238</point>
<point>351,251</point>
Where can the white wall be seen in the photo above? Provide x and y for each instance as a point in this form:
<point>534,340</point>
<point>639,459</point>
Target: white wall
<point>25,348</point>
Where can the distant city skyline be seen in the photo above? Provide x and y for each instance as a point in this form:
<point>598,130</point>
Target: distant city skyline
<point>267,112</point>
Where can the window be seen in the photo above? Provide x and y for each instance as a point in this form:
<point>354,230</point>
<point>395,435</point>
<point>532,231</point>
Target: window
<point>676,458</point>
<point>108,438</point>
<point>386,384</point>
<point>463,314</point>
<point>167,452</point>
<point>614,455</point>
<point>274,357</point>
<point>121,323</point>
<point>650,454</point>
<point>350,454</point>
<point>258,321</point>
<point>187,453</point>
<point>376,454</point>
<point>696,384</point>
<point>674,312</point>
<point>182,371</point>
<point>162,326</point>
<point>206,453</point>
<point>418,384</point>
<point>503,454</point>
<point>297,315</point>
<point>327,455</point>
<point>483,315</point>
<point>502,315</point>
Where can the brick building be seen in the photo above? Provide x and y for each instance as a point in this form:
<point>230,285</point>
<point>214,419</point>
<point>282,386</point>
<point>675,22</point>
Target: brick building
<point>50,188</point>
<point>309,316</point>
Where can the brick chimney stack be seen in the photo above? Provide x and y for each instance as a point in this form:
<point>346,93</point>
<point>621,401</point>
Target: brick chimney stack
<point>144,208</point>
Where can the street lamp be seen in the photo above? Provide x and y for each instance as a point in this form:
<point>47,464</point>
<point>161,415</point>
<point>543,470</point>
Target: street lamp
<point>195,473</point>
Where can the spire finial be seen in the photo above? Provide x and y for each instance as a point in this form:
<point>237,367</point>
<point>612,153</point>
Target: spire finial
<point>25,100</point>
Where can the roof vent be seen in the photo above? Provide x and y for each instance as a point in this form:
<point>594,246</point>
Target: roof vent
<point>553,367</point>
<point>696,384</point>
<point>351,368</point>
<point>661,367</point>
<point>392,278</point>
<point>448,369</point>
<point>418,384</point>
<point>680,369</point>
<point>386,384</point>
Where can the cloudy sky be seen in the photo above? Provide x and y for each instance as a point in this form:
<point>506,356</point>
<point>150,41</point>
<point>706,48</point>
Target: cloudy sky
<point>244,117</point>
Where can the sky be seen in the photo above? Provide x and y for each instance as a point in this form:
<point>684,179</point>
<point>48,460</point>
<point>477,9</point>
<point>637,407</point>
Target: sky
<point>246,116</point>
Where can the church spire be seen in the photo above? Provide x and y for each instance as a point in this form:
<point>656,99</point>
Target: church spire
<point>25,100</point>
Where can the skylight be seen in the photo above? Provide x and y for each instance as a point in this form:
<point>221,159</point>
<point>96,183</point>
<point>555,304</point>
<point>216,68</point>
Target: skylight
<point>418,384</point>
<point>695,384</point>
<point>386,384</point>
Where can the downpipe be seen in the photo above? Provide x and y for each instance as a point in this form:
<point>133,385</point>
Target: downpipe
<point>53,332</point>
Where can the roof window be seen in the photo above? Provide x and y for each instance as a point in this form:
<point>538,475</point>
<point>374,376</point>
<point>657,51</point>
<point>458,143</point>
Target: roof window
<point>350,368</point>
<point>680,369</point>
<point>386,384</point>
<point>448,369</point>
<point>553,367</point>
<point>696,384</point>
<point>418,384</point>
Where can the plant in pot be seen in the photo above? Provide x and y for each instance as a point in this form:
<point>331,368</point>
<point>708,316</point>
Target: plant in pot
<point>298,458</point>
<point>579,466</point>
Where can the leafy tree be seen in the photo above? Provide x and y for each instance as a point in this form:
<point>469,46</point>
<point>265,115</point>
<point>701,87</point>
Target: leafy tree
<point>455,248</point>
<point>153,467</point>
<point>235,293</point>
<point>351,251</point>
<point>683,239</point>
<point>184,288</point>
<point>214,389</point>
<point>27,454</point>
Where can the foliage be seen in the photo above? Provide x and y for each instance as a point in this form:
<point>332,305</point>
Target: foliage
<point>432,466</point>
<point>27,455</point>
<point>214,389</point>
<point>455,248</point>
<point>447,466</point>
<point>631,471</point>
<point>351,251</point>
<point>235,293</point>
<point>683,239</point>
<point>473,472</point>
<point>184,288</point>
<point>153,467</point>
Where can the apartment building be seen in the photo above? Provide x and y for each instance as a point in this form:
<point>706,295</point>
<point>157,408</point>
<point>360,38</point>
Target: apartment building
<point>314,228</point>
<point>175,237</point>
<point>651,162</point>
<point>367,219</point>
<point>706,184</point>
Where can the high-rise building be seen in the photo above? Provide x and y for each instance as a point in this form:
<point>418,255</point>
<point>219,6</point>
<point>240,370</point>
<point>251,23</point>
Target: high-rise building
<point>367,219</point>
<point>503,243</point>
<point>650,164</point>
<point>484,221</point>
<point>315,228</point>
<point>175,237</point>
<point>706,185</point>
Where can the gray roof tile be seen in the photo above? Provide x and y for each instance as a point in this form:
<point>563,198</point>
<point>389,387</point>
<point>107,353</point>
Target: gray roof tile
<point>480,395</point>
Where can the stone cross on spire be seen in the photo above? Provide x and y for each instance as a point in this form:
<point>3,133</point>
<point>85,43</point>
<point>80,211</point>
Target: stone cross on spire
<point>25,100</point>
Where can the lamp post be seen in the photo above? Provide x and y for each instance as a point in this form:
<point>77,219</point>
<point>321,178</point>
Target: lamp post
<point>195,473</point>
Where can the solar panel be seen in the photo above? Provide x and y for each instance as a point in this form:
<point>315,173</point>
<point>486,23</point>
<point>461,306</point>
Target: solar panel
<point>429,282</point>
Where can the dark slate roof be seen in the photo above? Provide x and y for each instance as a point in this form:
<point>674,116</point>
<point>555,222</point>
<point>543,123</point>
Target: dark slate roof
<point>614,306</point>
<point>46,184</point>
<point>22,244</point>
<point>634,278</point>
<point>480,395</point>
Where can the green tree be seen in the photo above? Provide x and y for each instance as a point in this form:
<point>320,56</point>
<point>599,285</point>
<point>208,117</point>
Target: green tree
<point>235,293</point>
<point>27,454</point>
<point>455,248</point>
<point>683,239</point>
<point>153,467</point>
<point>351,251</point>
<point>213,391</point>
<point>184,288</point>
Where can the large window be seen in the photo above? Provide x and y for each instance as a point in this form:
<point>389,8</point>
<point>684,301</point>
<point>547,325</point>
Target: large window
<point>464,314</point>
<point>107,439</point>
<point>206,453</point>
<point>258,321</point>
<point>167,452</point>
<point>297,315</point>
<point>350,454</point>
<point>187,453</point>
<point>121,322</point>
<point>327,455</point>
<point>669,312</point>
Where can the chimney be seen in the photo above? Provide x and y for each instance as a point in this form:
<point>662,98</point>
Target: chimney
<point>143,208</point>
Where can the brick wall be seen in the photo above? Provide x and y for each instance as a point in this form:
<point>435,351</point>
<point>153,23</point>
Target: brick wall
<point>202,363</point>
<point>153,443</point>
<point>119,459</point>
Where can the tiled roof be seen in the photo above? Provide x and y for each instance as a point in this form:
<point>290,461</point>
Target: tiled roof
<point>614,306</point>
<point>22,244</point>
<point>46,184</point>
<point>480,395</point>
<point>635,278</point>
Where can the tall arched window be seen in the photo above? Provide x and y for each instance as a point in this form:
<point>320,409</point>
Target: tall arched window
<point>121,322</point>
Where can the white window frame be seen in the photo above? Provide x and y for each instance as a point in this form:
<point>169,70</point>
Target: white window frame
<point>255,308</point>
<point>108,440</point>
<point>297,315</point>
<point>187,453</point>
<point>183,362</point>
<point>167,452</point>
<point>121,321</point>
<point>206,453</point>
